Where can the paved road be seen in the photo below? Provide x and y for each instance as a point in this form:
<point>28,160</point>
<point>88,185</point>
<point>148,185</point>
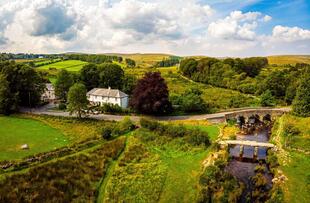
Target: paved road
<point>216,117</point>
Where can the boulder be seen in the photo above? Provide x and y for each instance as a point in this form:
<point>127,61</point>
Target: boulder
<point>24,147</point>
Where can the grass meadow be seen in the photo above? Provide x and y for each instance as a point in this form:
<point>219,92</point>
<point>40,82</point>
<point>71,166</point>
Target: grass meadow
<point>16,131</point>
<point>157,168</point>
<point>288,59</point>
<point>43,133</point>
<point>69,65</point>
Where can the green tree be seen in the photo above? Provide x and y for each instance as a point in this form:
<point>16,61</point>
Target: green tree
<point>5,103</point>
<point>276,82</point>
<point>267,99</point>
<point>77,100</point>
<point>25,84</point>
<point>301,103</point>
<point>188,66</point>
<point>130,63</point>
<point>63,83</point>
<point>89,75</point>
<point>111,75</point>
<point>129,83</point>
<point>191,101</point>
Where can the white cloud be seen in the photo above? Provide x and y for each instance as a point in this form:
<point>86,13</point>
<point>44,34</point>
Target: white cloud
<point>237,25</point>
<point>290,34</point>
<point>173,26</point>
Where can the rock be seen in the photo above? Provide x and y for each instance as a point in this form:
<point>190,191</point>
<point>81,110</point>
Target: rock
<point>24,146</point>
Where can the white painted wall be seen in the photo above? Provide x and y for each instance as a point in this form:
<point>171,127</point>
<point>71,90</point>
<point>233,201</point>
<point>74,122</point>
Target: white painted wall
<point>122,102</point>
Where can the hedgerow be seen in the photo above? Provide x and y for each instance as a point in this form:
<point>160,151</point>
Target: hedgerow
<point>193,136</point>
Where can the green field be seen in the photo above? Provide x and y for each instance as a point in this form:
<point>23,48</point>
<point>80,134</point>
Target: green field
<point>69,65</point>
<point>288,59</point>
<point>17,131</point>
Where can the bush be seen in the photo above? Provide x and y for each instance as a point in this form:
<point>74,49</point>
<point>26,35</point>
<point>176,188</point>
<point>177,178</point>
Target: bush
<point>126,125</point>
<point>149,124</point>
<point>111,108</point>
<point>62,106</point>
<point>198,137</point>
<point>272,159</point>
<point>107,132</point>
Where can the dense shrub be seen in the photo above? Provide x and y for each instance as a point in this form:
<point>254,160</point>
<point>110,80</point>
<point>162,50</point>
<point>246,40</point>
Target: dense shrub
<point>192,136</point>
<point>62,106</point>
<point>149,124</point>
<point>216,185</point>
<point>198,137</point>
<point>111,108</point>
<point>121,128</point>
<point>107,132</point>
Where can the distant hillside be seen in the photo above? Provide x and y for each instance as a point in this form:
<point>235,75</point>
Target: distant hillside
<point>144,60</point>
<point>289,59</point>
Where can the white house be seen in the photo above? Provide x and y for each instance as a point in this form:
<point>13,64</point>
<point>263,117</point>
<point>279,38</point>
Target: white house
<point>49,93</point>
<point>100,96</point>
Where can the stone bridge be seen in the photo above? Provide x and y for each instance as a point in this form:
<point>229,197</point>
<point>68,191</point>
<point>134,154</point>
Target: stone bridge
<point>246,113</point>
<point>243,143</point>
<point>247,143</point>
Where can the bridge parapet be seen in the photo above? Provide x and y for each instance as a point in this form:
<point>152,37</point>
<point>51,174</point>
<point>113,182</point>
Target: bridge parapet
<point>260,112</point>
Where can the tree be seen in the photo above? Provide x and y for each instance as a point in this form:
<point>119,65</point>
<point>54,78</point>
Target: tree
<point>191,101</point>
<point>62,85</point>
<point>89,75</point>
<point>24,84</point>
<point>111,75</point>
<point>130,63</point>
<point>267,99</point>
<point>301,102</point>
<point>5,104</point>
<point>188,66</point>
<point>77,100</point>
<point>151,95</point>
<point>129,83</point>
<point>276,82</point>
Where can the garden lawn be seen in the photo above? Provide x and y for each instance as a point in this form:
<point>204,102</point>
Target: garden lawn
<point>69,65</point>
<point>14,132</point>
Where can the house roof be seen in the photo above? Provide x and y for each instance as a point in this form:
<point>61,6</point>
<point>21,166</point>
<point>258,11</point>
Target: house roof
<point>107,92</point>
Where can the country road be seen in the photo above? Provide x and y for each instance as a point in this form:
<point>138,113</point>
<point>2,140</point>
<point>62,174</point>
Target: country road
<point>215,117</point>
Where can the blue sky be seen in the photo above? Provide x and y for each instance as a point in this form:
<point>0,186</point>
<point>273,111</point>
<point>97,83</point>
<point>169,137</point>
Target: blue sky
<point>182,27</point>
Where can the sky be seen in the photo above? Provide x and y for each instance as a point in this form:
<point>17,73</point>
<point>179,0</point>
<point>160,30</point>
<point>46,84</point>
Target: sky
<point>181,27</point>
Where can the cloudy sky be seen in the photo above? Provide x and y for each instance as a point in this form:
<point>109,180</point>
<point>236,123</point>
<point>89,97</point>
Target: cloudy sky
<point>182,27</point>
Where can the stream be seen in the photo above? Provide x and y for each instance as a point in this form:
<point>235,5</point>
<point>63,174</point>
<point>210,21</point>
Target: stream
<point>243,168</point>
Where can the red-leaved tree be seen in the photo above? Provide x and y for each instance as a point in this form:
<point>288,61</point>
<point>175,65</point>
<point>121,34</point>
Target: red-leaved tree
<point>151,95</point>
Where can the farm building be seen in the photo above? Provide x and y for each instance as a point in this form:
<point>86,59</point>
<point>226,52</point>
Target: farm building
<point>100,96</point>
<point>49,93</point>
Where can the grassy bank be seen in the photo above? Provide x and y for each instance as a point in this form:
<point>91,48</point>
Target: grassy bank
<point>292,134</point>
